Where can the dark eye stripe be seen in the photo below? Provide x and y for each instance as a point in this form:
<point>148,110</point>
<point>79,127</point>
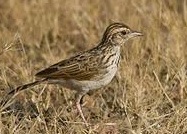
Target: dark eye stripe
<point>124,32</point>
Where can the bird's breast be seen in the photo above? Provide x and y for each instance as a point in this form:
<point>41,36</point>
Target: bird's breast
<point>100,81</point>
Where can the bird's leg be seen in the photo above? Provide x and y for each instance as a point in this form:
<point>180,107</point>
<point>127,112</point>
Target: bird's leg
<point>79,97</point>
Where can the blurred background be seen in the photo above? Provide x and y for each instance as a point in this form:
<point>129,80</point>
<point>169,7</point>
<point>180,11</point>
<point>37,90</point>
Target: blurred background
<point>149,96</point>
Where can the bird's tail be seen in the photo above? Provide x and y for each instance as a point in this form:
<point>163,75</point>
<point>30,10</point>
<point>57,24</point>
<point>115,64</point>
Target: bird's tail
<point>6,97</point>
<point>22,87</point>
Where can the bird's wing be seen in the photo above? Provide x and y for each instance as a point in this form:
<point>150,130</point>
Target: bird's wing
<point>74,68</point>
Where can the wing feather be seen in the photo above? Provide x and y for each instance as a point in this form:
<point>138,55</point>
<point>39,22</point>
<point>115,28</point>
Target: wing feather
<point>70,69</point>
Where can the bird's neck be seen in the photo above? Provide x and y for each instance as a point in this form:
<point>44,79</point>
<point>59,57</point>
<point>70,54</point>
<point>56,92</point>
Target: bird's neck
<point>109,47</point>
<point>106,48</point>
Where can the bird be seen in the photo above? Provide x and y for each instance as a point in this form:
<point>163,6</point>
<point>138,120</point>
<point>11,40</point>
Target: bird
<point>90,69</point>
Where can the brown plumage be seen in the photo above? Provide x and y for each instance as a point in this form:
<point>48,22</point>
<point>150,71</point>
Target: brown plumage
<point>90,69</point>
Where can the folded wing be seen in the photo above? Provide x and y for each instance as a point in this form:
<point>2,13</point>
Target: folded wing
<point>73,68</point>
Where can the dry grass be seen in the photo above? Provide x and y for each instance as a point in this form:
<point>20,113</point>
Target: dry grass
<point>150,97</point>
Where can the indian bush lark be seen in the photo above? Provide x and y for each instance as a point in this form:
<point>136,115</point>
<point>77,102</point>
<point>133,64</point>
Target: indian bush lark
<point>89,70</point>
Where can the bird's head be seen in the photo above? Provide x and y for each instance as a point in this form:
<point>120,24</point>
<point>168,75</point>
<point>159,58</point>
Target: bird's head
<point>119,33</point>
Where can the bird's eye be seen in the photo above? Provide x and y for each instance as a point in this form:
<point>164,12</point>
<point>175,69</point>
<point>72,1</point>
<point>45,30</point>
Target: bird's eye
<point>124,32</point>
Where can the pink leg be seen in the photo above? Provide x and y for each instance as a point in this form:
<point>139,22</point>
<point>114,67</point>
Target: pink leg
<point>79,96</point>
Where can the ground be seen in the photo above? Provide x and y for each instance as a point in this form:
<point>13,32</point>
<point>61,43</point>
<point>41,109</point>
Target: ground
<point>149,94</point>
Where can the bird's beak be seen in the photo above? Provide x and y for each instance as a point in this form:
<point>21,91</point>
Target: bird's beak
<point>135,33</point>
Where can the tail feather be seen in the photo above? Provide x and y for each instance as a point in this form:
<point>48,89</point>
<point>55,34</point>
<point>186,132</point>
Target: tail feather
<point>22,87</point>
